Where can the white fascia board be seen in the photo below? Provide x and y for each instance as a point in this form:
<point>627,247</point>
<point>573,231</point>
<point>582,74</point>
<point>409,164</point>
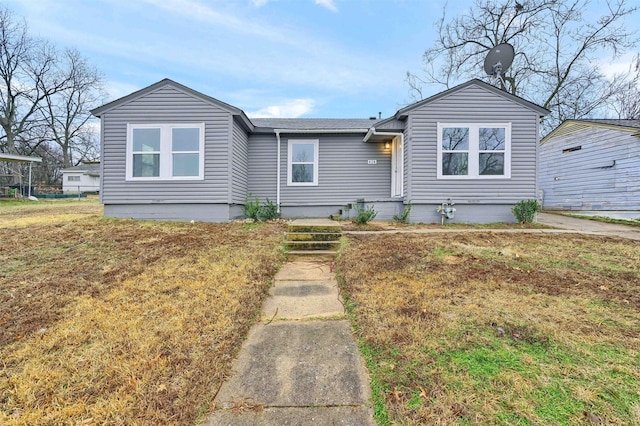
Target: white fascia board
<point>317,131</point>
<point>21,158</point>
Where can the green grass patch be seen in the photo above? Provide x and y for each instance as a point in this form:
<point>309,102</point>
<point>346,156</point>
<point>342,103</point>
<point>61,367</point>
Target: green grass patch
<point>498,329</point>
<point>605,219</point>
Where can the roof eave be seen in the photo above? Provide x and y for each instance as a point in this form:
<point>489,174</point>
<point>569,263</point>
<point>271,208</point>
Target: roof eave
<point>571,122</point>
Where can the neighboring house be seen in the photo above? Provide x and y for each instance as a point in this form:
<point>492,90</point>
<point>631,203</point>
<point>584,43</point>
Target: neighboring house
<point>170,152</point>
<point>591,165</point>
<point>81,178</point>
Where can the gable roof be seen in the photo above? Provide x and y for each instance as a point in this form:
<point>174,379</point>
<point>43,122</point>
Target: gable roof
<point>180,87</point>
<point>402,113</point>
<point>570,126</point>
<point>612,122</point>
<point>89,168</point>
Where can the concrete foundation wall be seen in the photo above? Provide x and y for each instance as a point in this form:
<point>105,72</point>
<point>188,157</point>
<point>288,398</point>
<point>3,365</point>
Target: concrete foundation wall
<point>386,210</point>
<point>465,213</point>
<point>179,212</point>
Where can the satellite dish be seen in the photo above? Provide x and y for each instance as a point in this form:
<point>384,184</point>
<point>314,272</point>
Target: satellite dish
<point>498,60</point>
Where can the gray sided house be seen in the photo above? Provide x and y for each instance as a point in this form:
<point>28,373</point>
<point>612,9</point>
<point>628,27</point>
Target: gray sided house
<point>591,165</point>
<point>169,152</point>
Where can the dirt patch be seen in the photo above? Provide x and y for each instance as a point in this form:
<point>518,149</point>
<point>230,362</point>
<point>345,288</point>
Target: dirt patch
<point>124,322</point>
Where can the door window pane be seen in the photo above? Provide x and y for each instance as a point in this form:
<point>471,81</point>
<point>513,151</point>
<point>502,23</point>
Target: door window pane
<point>455,164</point>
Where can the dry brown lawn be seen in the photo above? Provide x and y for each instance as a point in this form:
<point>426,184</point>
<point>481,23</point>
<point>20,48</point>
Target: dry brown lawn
<point>122,322</point>
<point>495,328</point>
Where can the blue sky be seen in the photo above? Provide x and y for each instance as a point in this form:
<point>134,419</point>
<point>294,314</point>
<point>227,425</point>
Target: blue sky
<point>288,58</point>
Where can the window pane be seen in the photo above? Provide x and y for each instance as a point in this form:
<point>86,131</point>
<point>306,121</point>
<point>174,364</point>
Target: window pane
<point>146,165</point>
<point>186,164</point>
<point>302,152</point>
<point>455,138</point>
<point>302,173</point>
<point>492,164</point>
<point>455,164</point>
<point>187,139</point>
<point>146,140</point>
<point>492,139</point>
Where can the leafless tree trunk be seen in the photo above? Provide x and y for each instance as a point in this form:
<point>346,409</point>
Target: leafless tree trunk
<point>67,112</point>
<point>556,48</point>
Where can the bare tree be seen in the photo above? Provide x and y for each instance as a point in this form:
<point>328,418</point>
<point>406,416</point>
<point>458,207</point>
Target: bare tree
<point>626,98</point>
<point>556,47</point>
<point>67,112</point>
<point>27,76</point>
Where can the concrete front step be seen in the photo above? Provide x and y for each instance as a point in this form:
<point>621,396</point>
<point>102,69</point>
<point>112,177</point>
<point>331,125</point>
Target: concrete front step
<point>313,236</point>
<point>315,226</point>
<point>327,255</point>
<point>312,245</point>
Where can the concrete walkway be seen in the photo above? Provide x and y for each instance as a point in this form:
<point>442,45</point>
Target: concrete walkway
<point>587,226</point>
<point>301,364</point>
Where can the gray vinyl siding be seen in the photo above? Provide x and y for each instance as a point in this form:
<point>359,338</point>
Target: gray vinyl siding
<point>166,105</point>
<point>391,125</point>
<point>471,105</point>
<point>262,166</point>
<point>239,165</point>
<point>343,174</point>
<point>584,179</point>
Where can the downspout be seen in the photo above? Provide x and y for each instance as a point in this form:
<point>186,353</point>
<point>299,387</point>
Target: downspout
<point>278,171</point>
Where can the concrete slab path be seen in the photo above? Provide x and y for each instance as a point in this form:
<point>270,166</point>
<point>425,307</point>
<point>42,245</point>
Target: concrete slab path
<point>301,364</point>
<point>588,226</point>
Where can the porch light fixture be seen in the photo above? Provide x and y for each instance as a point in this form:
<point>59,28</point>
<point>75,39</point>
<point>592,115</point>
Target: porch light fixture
<point>387,145</point>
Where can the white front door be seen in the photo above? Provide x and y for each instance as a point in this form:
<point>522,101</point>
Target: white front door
<point>397,167</point>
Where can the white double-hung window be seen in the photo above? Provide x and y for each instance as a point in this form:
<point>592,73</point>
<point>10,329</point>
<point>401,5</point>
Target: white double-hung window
<point>302,165</point>
<point>474,151</point>
<point>165,151</point>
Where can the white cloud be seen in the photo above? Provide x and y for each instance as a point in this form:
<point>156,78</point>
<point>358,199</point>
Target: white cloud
<point>329,4</point>
<point>291,108</point>
<point>119,89</point>
<point>620,65</point>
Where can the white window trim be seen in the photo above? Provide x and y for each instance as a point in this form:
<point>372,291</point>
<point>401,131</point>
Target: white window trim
<point>474,151</point>
<point>316,162</point>
<point>166,151</point>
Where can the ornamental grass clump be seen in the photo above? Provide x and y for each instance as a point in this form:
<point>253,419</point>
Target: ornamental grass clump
<point>364,215</point>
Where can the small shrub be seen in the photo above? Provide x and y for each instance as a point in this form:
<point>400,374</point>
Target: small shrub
<point>252,207</point>
<point>268,211</point>
<point>404,216</point>
<point>363,216</point>
<point>253,210</point>
<point>525,210</point>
